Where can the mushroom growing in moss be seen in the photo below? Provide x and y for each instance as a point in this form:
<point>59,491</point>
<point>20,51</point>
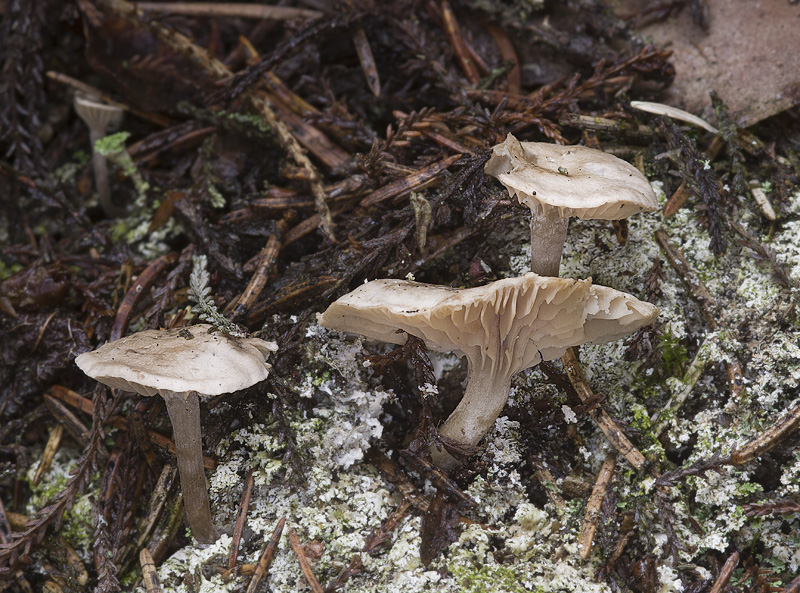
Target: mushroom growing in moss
<point>557,182</point>
<point>181,365</point>
<point>99,117</point>
<point>501,328</point>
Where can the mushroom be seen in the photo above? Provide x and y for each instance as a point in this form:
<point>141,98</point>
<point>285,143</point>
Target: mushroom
<point>557,182</point>
<point>99,117</point>
<point>501,328</point>
<point>181,365</point>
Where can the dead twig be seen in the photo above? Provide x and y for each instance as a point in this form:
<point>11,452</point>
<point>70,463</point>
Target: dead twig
<point>689,278</point>
<point>592,515</point>
<point>158,501</point>
<point>439,478</point>
<point>353,568</point>
<point>604,124</point>
<point>367,60</point>
<point>392,473</point>
<point>414,182</point>
<point>769,438</point>
<point>239,527</point>
<point>266,260</point>
<point>453,33</point>
<point>509,54</point>
<point>267,557</point>
<point>379,536</point>
<point>49,452</point>
<point>136,292</point>
<point>613,433</point>
<point>151,583</point>
<point>76,429</point>
<point>234,9</point>
<point>772,508</point>
<point>312,581</point>
<point>725,574</point>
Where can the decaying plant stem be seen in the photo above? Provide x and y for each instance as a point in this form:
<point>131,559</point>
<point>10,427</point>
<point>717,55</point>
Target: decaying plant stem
<point>613,433</point>
<point>308,573</point>
<point>151,583</point>
<point>592,515</point>
<point>769,438</point>
<point>266,557</point>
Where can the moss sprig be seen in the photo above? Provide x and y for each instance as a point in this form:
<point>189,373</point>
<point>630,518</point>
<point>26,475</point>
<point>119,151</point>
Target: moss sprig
<point>200,294</point>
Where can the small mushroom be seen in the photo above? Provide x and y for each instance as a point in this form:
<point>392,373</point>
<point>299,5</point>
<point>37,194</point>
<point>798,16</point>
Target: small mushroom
<point>501,328</point>
<point>557,182</point>
<point>181,365</point>
<point>99,117</point>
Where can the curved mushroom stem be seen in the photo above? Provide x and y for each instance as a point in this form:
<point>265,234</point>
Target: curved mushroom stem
<point>484,399</point>
<point>548,233</point>
<point>184,412</point>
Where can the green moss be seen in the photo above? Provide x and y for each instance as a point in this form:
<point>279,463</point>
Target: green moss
<point>112,144</point>
<point>486,578</point>
<point>66,173</point>
<point>77,523</point>
<point>247,119</point>
<point>6,270</point>
<point>673,353</point>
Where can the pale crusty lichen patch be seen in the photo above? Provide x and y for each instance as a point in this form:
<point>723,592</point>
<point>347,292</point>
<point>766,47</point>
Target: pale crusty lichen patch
<point>522,546</point>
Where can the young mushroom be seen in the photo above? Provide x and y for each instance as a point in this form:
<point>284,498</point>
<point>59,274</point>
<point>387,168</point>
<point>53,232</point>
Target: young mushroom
<point>99,117</point>
<point>557,182</point>
<point>181,365</point>
<point>501,328</point>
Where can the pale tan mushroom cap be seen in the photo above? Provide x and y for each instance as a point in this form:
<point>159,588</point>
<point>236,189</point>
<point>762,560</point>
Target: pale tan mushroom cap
<point>508,325</point>
<point>574,180</point>
<point>97,114</point>
<point>157,360</point>
<point>612,314</point>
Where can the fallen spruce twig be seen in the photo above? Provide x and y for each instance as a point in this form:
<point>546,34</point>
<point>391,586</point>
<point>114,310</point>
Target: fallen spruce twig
<point>240,519</point>
<point>769,438</point>
<point>694,285</point>
<point>725,574</point>
<point>305,566</point>
<point>613,433</point>
<point>184,46</point>
<point>592,516</point>
<point>151,583</point>
<point>267,557</point>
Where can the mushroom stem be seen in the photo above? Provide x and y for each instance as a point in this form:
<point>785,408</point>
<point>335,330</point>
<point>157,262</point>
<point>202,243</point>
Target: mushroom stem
<point>484,399</point>
<point>548,234</point>
<point>184,412</point>
<point>100,169</point>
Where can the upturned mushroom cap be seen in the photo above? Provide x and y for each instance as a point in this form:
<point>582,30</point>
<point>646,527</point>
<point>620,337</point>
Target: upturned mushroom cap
<point>179,360</point>
<point>612,314</point>
<point>511,324</point>
<point>501,328</point>
<point>572,180</point>
<point>95,114</point>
